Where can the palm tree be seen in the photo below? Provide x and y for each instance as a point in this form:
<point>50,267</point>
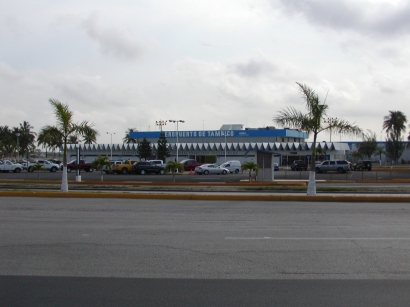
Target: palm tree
<point>127,139</point>
<point>99,164</point>
<point>314,121</point>
<point>65,128</point>
<point>251,167</point>
<point>90,136</point>
<point>37,167</point>
<point>26,138</point>
<point>174,167</point>
<point>395,125</point>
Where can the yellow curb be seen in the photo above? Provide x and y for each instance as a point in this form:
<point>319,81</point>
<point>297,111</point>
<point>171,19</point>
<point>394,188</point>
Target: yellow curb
<point>317,198</point>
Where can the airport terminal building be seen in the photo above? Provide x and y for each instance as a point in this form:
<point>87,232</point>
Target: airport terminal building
<point>231,142</point>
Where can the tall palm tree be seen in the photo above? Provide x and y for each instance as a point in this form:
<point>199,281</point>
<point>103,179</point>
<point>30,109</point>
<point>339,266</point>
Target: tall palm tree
<point>251,167</point>
<point>26,138</point>
<point>127,139</point>
<point>395,124</point>
<point>314,121</point>
<point>64,128</point>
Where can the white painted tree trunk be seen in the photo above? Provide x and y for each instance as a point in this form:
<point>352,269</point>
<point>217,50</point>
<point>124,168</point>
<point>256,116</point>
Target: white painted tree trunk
<point>64,182</point>
<point>311,191</point>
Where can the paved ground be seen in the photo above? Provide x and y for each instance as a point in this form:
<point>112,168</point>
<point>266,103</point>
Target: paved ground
<point>235,253</point>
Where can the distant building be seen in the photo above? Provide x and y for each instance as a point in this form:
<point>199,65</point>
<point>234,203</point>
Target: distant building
<point>231,142</point>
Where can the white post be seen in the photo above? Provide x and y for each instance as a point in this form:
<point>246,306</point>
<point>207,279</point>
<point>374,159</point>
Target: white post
<point>78,177</point>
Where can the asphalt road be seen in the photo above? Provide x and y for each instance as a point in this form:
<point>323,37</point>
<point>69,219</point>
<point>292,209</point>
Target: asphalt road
<point>88,252</point>
<point>281,175</point>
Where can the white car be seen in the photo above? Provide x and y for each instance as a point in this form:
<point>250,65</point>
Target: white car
<point>211,169</point>
<point>49,166</point>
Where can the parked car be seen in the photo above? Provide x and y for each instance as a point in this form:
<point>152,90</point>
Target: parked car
<point>298,165</point>
<point>190,164</point>
<point>49,166</point>
<point>157,162</point>
<point>233,166</point>
<point>363,164</point>
<point>107,170</point>
<point>341,166</point>
<point>8,166</point>
<point>206,169</point>
<point>145,167</point>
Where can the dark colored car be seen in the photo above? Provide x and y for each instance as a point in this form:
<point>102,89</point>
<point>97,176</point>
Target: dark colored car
<point>361,165</point>
<point>298,165</point>
<point>190,164</point>
<point>147,168</point>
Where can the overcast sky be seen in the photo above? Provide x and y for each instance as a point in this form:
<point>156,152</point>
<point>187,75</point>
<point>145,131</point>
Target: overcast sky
<point>129,63</point>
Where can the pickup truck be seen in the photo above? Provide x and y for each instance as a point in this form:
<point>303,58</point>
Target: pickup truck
<point>8,166</point>
<point>124,167</point>
<point>49,166</point>
<point>84,166</point>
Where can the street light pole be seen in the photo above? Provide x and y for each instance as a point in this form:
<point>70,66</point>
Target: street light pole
<point>111,142</point>
<point>225,144</point>
<point>177,121</point>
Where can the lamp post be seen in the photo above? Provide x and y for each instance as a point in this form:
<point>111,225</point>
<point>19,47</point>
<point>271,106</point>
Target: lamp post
<point>111,133</point>
<point>177,121</point>
<point>78,147</point>
<point>224,133</point>
<point>161,123</point>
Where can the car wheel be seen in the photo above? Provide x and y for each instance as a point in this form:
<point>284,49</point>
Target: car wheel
<point>340,170</point>
<point>206,172</point>
<point>124,171</point>
<point>161,172</point>
<point>53,169</point>
<point>236,171</point>
<point>30,169</point>
<point>142,172</point>
<point>68,169</point>
<point>224,172</point>
<point>318,170</point>
<point>17,170</point>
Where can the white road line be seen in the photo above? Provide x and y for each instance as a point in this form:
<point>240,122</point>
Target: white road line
<point>312,239</point>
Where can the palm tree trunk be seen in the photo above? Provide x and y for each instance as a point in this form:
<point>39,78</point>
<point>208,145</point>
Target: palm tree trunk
<point>64,182</point>
<point>102,175</point>
<point>311,190</point>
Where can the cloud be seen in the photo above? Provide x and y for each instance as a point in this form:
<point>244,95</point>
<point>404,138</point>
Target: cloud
<point>363,17</point>
<point>121,43</point>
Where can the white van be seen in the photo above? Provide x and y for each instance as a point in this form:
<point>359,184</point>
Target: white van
<point>234,166</point>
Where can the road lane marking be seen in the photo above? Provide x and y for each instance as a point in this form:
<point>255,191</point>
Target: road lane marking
<point>311,239</point>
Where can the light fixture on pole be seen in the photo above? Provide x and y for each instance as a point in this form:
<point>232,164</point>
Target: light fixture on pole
<point>111,142</point>
<point>177,121</point>
<point>78,147</point>
<point>161,123</point>
<point>224,133</point>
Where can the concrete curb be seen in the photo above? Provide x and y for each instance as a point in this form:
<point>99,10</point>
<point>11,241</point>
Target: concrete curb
<point>127,195</point>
